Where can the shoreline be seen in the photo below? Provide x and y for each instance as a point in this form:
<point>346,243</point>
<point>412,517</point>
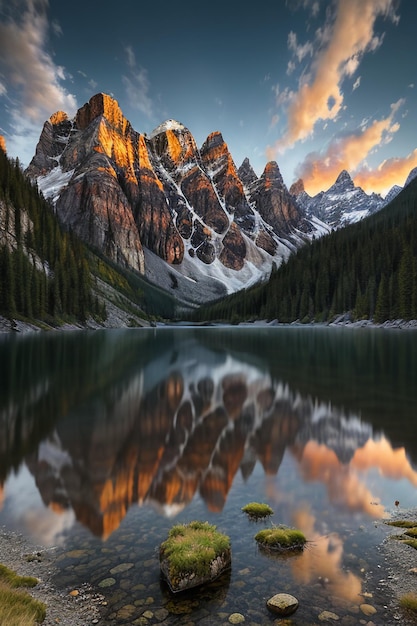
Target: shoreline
<point>17,327</point>
<point>66,607</point>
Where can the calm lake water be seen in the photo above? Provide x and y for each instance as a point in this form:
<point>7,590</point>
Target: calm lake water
<point>108,438</point>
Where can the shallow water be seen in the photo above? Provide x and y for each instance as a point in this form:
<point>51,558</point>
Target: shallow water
<point>107,438</point>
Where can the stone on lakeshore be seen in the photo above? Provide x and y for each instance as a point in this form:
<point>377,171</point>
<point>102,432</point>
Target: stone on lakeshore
<point>367,609</point>
<point>282,604</point>
<point>236,618</point>
<point>328,616</point>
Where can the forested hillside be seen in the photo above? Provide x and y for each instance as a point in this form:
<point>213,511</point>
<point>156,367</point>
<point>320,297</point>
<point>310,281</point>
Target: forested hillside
<point>49,276</point>
<point>368,270</point>
<point>44,271</point>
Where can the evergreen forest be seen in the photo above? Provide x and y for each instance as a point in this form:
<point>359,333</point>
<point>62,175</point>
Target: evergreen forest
<point>367,270</point>
<point>44,271</point>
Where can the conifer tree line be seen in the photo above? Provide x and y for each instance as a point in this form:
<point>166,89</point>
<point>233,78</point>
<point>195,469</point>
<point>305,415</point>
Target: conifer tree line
<point>367,270</point>
<point>45,273</point>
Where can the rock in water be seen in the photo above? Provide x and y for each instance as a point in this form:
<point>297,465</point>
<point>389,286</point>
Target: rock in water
<point>282,604</point>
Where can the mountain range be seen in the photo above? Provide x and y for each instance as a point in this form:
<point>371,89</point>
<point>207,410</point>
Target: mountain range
<point>186,218</point>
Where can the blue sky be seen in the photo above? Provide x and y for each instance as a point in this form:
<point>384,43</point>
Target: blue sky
<point>316,85</point>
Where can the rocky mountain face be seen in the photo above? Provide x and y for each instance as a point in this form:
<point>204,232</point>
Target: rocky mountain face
<point>185,217</point>
<point>343,203</point>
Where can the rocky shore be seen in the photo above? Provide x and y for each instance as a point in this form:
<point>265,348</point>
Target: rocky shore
<point>66,607</point>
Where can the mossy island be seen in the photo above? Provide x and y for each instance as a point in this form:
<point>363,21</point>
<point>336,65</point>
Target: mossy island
<point>257,510</point>
<point>194,554</point>
<point>281,539</point>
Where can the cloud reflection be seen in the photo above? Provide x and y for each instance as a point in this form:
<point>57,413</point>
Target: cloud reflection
<point>322,560</point>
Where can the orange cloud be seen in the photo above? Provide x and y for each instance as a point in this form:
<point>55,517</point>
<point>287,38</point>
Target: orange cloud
<point>323,559</point>
<point>320,170</point>
<point>351,36</point>
<point>390,172</point>
<point>319,463</point>
<point>391,463</point>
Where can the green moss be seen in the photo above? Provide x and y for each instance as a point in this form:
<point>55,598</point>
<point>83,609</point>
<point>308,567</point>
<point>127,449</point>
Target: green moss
<point>281,538</point>
<point>190,548</point>
<point>257,510</point>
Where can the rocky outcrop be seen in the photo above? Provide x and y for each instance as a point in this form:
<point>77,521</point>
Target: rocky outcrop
<point>52,142</point>
<point>274,202</point>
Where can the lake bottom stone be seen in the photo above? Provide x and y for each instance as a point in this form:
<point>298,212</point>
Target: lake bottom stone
<point>282,604</point>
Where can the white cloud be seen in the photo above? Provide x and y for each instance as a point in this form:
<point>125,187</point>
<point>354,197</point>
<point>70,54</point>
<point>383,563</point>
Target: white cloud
<point>356,84</point>
<point>34,80</point>
<point>137,85</point>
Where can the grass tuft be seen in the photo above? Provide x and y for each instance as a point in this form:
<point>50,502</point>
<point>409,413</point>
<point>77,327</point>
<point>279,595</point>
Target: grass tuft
<point>257,510</point>
<point>190,548</point>
<point>409,602</point>
<point>281,538</point>
<point>17,607</point>
<point>402,523</point>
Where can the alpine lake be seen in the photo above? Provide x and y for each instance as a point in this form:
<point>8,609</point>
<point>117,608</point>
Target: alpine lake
<point>110,437</point>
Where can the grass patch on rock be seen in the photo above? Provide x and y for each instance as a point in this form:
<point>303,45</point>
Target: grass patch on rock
<point>281,539</point>
<point>17,607</point>
<point>257,510</point>
<point>193,554</point>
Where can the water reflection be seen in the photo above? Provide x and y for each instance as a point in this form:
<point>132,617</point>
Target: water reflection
<point>106,420</point>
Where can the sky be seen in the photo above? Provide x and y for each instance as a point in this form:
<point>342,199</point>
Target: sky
<point>316,85</point>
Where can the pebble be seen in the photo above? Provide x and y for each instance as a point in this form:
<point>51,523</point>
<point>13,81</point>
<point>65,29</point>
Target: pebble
<point>367,609</point>
<point>236,618</point>
<point>328,616</point>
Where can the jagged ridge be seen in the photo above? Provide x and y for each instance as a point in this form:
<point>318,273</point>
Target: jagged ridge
<point>185,217</point>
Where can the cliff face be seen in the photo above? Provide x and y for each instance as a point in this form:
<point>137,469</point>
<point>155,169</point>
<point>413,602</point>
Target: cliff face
<point>125,193</point>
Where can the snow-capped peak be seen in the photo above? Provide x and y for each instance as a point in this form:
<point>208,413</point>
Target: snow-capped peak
<point>167,125</point>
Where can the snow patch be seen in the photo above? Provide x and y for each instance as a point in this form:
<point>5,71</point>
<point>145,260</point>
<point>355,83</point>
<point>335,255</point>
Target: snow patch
<point>52,183</point>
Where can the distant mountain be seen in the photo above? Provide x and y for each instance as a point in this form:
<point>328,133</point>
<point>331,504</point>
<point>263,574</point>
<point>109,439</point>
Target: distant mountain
<point>366,271</point>
<point>343,203</point>
<point>183,217</point>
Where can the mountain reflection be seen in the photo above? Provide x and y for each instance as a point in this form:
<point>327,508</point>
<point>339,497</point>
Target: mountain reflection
<point>107,420</point>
